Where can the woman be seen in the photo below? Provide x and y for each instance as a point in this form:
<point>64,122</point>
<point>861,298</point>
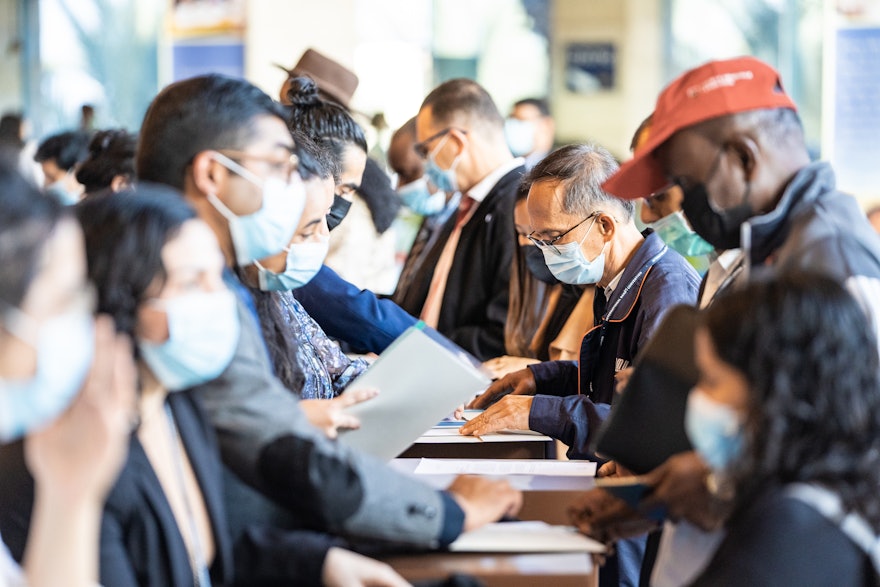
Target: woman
<point>325,368</point>
<point>539,304</point>
<point>110,163</point>
<point>363,249</point>
<point>64,377</point>
<point>787,414</point>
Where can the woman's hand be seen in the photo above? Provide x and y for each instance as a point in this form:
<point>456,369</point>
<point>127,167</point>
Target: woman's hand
<point>328,415</point>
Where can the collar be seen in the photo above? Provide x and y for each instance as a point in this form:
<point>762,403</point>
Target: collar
<point>485,185</point>
<point>622,299</point>
<point>612,285</point>
<point>761,235</point>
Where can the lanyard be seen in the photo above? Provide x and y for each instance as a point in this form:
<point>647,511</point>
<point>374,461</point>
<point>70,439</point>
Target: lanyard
<point>632,282</point>
<point>196,556</point>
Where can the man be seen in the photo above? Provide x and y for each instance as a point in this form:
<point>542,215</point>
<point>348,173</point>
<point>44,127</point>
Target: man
<point>530,130</point>
<point>226,146</point>
<point>589,237</point>
<point>436,207</point>
<point>462,286</point>
<point>730,137</point>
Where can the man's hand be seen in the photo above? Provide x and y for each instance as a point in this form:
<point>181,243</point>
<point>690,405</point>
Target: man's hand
<point>679,484</point>
<point>509,413</point>
<point>344,568</point>
<point>606,518</point>
<point>621,378</point>
<point>484,500</point>
<point>520,382</point>
<point>327,414</point>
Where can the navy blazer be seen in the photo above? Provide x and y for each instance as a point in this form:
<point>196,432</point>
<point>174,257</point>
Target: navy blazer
<point>356,316</point>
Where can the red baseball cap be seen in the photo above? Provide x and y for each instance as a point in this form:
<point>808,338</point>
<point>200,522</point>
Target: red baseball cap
<point>714,89</point>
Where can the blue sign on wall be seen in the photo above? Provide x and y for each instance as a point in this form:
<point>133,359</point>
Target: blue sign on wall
<point>198,58</point>
<point>590,67</point>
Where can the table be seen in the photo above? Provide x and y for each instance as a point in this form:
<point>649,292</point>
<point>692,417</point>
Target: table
<point>503,445</point>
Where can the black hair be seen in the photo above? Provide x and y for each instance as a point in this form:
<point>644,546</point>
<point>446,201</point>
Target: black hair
<point>324,121</point>
<point>27,222</point>
<point>10,130</point>
<point>462,95</point>
<point>810,358</point>
<point>540,103</point>
<point>582,169</point>
<point>111,154</point>
<point>195,115</point>
<point>124,236</point>
<point>315,160</point>
<point>66,149</point>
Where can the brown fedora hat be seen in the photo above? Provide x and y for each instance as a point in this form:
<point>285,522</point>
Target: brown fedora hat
<point>332,78</point>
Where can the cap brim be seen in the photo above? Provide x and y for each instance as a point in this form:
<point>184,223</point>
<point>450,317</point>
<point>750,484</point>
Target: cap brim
<point>642,175</point>
<point>281,67</point>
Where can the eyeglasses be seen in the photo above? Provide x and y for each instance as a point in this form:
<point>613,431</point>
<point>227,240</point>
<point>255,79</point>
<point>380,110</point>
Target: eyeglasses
<point>551,243</point>
<point>285,166</point>
<point>422,149</point>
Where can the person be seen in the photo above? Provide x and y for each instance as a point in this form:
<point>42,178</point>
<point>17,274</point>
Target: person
<point>361,249</point>
<point>335,81</point>
<point>264,437</point>
<point>67,383</point>
<point>589,237</point>
<point>539,304</point>
<point>728,134</point>
<point>786,413</point>
<point>58,157</point>
<point>530,130</point>
<point>435,207</point>
<point>873,215</point>
<point>325,369</point>
<point>110,162</point>
<point>462,286</point>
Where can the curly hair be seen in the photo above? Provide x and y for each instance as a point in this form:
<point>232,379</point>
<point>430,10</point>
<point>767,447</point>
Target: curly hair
<point>810,358</point>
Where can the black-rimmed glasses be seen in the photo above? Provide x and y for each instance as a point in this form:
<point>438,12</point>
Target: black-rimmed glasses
<point>551,243</point>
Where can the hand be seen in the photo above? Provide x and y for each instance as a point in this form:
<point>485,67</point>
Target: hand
<point>613,469</point>
<point>509,413</point>
<point>328,415</point>
<point>621,378</point>
<point>80,453</point>
<point>518,383</point>
<point>606,518</point>
<point>501,366</point>
<point>484,500</point>
<point>679,484</point>
<point>343,568</point>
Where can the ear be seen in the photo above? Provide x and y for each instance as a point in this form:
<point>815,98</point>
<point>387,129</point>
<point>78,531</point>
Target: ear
<point>208,176</point>
<point>459,137</point>
<point>746,151</point>
<point>606,226</point>
<point>119,183</point>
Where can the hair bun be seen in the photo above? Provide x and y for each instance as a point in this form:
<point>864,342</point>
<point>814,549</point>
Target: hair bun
<point>303,91</point>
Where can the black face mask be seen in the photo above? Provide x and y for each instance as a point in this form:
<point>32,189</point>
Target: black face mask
<point>537,267</point>
<point>721,229</point>
<point>338,210</point>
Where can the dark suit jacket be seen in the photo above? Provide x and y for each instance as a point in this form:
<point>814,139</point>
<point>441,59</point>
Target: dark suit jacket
<point>475,302</point>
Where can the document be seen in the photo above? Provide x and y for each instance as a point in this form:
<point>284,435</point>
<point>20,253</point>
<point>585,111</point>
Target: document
<point>543,467</point>
<point>421,378</point>
<point>525,537</point>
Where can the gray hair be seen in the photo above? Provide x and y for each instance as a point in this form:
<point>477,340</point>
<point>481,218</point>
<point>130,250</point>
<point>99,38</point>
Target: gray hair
<point>581,169</point>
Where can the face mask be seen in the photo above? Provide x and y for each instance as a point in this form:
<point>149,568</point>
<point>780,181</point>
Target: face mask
<point>65,347</point>
<point>338,211</point>
<point>677,233</point>
<point>444,179</point>
<point>535,263</point>
<point>203,331</point>
<point>520,136</point>
<point>569,264</point>
<point>715,429</point>
<point>58,191</point>
<point>268,230</point>
<point>418,198</point>
<point>304,260</point>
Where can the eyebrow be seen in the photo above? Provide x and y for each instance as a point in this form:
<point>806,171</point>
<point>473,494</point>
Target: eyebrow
<point>313,222</point>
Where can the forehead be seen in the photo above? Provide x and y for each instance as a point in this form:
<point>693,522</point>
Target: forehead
<point>425,126</point>
<point>545,207</point>
<point>268,132</point>
<point>526,112</point>
<point>194,242</point>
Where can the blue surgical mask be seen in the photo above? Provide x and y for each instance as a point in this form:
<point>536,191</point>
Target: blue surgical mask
<point>714,428</point>
<point>520,136</point>
<point>304,260</point>
<point>268,230</point>
<point>203,330</point>
<point>59,192</point>
<point>444,179</point>
<point>418,198</point>
<point>678,234</point>
<point>568,264</point>
<point>65,347</point>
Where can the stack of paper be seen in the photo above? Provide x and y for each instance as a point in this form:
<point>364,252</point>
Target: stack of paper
<point>543,467</point>
<point>525,537</point>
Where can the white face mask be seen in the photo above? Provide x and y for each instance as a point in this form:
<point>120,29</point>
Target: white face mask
<point>304,260</point>
<point>65,346</point>
<point>203,331</point>
<point>269,229</point>
<point>569,265</point>
<point>520,136</point>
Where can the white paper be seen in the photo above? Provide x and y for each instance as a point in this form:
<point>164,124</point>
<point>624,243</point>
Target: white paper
<point>543,467</point>
<point>525,537</point>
